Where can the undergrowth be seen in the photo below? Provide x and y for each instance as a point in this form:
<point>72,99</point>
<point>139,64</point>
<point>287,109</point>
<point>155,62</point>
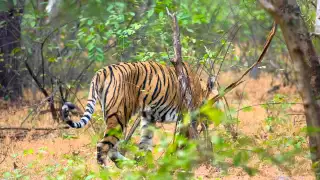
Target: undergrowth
<point>278,143</point>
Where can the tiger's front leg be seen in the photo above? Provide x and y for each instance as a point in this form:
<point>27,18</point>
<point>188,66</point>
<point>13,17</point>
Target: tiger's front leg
<point>106,147</point>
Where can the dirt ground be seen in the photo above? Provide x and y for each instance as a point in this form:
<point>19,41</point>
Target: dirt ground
<point>48,147</point>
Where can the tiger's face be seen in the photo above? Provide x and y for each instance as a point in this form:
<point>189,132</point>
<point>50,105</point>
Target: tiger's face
<point>211,87</point>
<point>207,83</point>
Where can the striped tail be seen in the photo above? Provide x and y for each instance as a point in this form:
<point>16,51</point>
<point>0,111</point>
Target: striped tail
<point>85,117</point>
<point>93,96</point>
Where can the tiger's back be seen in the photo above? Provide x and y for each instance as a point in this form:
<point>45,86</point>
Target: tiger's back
<point>130,87</point>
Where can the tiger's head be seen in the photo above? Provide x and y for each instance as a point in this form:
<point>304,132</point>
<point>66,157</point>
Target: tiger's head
<point>208,86</point>
<point>211,88</point>
<point>203,85</point>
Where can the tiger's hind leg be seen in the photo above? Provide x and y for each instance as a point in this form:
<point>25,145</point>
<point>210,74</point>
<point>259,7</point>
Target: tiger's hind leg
<point>107,146</point>
<point>147,119</point>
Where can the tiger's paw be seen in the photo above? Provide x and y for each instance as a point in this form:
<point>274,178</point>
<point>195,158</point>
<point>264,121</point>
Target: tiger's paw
<point>102,162</point>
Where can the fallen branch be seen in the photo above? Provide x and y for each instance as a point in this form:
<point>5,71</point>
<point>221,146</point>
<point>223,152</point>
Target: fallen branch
<point>30,129</point>
<point>38,106</point>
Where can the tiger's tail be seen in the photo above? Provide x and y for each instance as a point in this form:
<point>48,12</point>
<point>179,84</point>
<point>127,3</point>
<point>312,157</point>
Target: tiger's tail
<point>92,99</point>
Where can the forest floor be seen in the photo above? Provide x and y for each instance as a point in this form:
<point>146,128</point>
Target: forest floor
<point>34,152</point>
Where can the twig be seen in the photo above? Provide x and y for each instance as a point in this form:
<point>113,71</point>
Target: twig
<point>132,130</point>
<point>221,47</point>
<point>225,55</point>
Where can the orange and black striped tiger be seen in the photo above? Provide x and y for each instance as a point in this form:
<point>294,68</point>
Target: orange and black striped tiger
<point>123,89</point>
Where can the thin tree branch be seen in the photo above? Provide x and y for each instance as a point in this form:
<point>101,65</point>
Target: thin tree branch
<point>239,80</point>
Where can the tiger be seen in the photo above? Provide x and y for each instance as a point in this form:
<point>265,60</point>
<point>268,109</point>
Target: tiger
<point>148,88</point>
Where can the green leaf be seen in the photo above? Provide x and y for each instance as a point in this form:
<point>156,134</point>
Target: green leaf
<point>215,115</point>
<point>91,46</point>
<point>150,12</point>
<point>310,129</point>
<point>221,91</point>
<point>241,158</point>
<point>32,23</point>
<point>15,51</point>
<point>2,24</point>
<point>189,30</point>
<point>217,140</point>
<point>269,128</point>
<point>90,22</point>
<point>249,170</point>
<point>160,15</point>
<point>220,31</point>
<point>247,109</point>
<point>6,97</point>
<point>28,152</point>
<point>52,59</point>
<point>69,136</point>
<point>7,175</point>
<point>91,176</point>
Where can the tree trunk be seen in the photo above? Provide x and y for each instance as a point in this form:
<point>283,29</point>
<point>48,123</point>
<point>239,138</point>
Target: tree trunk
<point>184,81</point>
<point>317,22</point>
<point>306,65</point>
<point>10,34</point>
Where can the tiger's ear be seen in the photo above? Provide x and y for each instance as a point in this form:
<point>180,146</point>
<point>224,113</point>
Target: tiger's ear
<point>211,82</point>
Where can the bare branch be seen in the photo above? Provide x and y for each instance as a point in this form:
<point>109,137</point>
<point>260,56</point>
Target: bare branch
<point>168,12</point>
<point>239,80</point>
